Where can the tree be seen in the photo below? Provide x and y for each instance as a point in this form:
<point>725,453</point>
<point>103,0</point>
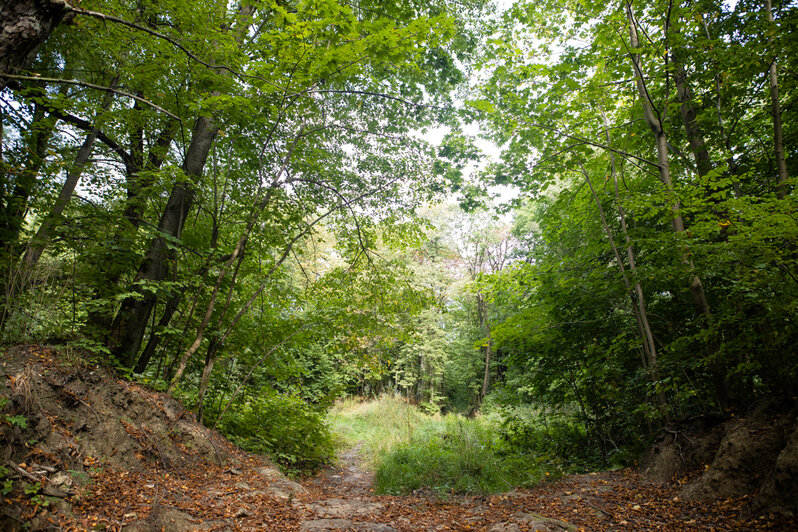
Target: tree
<point>579,120</point>
<point>25,26</point>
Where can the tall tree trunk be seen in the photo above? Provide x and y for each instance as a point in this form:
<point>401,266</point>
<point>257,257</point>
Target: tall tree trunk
<point>172,305</point>
<point>687,109</point>
<point>655,122</point>
<point>42,237</point>
<point>778,136</point>
<point>130,324</point>
<point>24,26</point>
<point>637,310</point>
<point>137,166</point>
<point>488,348</point>
<point>16,206</point>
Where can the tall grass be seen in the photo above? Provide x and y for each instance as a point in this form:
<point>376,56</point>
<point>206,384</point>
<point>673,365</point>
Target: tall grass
<point>379,425</point>
<point>410,450</point>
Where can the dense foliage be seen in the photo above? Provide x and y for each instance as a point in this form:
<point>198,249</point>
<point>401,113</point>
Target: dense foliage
<point>236,202</point>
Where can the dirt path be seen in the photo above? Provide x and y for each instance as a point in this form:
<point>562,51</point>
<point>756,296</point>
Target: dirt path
<point>341,498</point>
<point>349,475</point>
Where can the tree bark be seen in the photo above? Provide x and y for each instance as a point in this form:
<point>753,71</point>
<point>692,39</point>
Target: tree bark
<point>130,323</point>
<point>687,109</point>
<point>24,26</point>
<point>136,183</point>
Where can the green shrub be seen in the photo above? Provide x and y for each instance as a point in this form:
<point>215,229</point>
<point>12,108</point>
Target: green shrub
<point>562,442</point>
<point>292,432</point>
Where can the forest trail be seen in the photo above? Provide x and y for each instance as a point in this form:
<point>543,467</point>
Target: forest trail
<point>349,474</point>
<point>341,498</point>
<point>101,453</point>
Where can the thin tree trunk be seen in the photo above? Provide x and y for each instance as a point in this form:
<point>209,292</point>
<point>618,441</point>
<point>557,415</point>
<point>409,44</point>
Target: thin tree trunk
<point>43,235</point>
<point>238,257</point>
<point>638,306</point>
<point>16,206</point>
<point>152,344</point>
<point>646,337</point>
<point>654,121</point>
<point>210,362</point>
<point>252,370</point>
<point>486,377</point>
<point>778,135</point>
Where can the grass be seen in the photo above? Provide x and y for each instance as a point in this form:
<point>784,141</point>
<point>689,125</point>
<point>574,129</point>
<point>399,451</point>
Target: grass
<point>409,450</point>
<point>380,424</point>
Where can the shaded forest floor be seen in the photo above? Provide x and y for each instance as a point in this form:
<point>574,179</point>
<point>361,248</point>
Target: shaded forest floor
<point>102,453</point>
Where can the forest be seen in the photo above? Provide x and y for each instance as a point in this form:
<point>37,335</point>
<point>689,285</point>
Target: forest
<point>569,225</point>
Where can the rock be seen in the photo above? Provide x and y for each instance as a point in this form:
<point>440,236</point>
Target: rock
<point>269,473</point>
<point>172,408</point>
<point>504,527</point>
<point>53,491</point>
<point>60,479</point>
<point>345,508</point>
<point>326,524</point>
<point>315,525</point>
<point>169,520</point>
<point>542,523</point>
<point>62,507</point>
<point>280,487</point>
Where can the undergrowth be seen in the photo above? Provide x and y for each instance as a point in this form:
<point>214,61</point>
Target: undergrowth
<point>410,450</point>
<point>292,432</point>
<point>378,425</point>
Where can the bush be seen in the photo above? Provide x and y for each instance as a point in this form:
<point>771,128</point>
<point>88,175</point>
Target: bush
<point>560,441</point>
<point>292,432</point>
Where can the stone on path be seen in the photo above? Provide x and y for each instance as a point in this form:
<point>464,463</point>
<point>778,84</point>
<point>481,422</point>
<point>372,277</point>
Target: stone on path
<point>318,525</point>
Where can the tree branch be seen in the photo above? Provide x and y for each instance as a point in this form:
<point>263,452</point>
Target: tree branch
<point>90,86</point>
